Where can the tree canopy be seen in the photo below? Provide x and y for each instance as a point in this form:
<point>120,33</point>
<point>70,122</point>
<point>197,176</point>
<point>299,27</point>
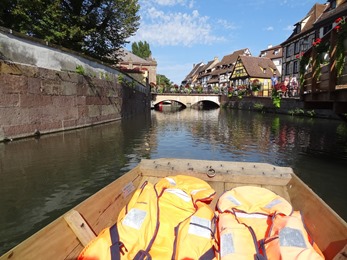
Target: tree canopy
<point>162,80</point>
<point>141,49</point>
<point>98,28</point>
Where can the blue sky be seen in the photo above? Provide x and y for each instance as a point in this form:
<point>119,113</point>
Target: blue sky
<point>185,32</point>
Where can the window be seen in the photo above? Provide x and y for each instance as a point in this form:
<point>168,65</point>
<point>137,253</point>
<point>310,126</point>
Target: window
<point>296,67</point>
<point>298,28</point>
<point>304,44</point>
<point>310,41</point>
<point>297,47</point>
<point>333,4</point>
<point>290,50</point>
<point>290,68</point>
<point>327,29</point>
<point>266,84</point>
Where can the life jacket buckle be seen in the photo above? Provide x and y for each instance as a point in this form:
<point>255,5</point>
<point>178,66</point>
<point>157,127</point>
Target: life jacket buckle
<point>121,246</point>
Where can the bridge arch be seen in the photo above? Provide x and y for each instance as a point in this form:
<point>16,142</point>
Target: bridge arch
<point>187,100</point>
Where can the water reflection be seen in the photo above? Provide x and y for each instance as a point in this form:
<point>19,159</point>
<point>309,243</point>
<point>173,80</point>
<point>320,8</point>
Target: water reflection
<point>248,136</point>
<point>44,178</point>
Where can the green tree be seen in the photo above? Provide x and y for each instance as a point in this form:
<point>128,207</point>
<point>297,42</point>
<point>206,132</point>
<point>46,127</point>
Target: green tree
<point>5,8</point>
<point>163,81</point>
<point>98,28</point>
<point>141,49</point>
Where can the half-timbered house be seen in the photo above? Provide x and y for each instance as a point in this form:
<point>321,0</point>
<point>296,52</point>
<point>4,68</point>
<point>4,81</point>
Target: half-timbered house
<point>248,68</point>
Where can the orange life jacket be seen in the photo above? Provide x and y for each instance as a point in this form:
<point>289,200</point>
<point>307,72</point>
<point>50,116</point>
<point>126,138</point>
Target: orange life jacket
<point>253,223</point>
<point>168,220</point>
<point>288,239</point>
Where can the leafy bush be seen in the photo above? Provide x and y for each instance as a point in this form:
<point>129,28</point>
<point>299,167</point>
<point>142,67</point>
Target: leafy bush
<point>258,106</point>
<point>80,70</point>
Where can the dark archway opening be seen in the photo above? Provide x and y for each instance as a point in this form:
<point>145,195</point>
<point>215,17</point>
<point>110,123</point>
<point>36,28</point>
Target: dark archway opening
<point>205,105</point>
<point>169,106</point>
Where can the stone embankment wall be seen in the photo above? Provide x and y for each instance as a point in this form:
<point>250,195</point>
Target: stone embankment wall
<point>41,92</point>
<point>289,106</point>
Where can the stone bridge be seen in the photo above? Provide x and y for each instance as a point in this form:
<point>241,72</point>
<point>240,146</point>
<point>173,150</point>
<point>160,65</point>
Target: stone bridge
<point>187,100</point>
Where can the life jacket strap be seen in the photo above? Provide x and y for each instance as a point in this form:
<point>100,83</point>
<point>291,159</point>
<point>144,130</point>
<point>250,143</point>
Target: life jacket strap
<point>117,246</point>
<point>142,254</point>
<point>260,257</point>
<point>209,254</point>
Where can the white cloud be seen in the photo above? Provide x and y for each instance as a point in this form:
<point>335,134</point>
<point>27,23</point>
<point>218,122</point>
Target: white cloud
<point>170,2</point>
<point>289,28</point>
<point>227,25</point>
<point>270,28</point>
<point>188,3</point>
<point>191,4</point>
<point>175,28</point>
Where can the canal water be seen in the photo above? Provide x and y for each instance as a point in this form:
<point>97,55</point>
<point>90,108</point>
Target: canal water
<point>43,178</point>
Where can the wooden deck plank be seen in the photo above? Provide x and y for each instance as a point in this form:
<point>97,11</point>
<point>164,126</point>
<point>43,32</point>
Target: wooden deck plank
<point>219,187</point>
<point>103,207</point>
<point>79,226</point>
<point>238,172</point>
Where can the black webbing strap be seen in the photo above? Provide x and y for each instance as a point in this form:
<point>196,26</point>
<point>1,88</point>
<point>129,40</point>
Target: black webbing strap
<point>259,256</point>
<point>209,254</point>
<point>117,246</point>
<point>142,254</point>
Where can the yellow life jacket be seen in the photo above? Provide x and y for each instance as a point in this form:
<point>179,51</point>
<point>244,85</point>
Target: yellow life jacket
<point>252,224</point>
<point>168,220</point>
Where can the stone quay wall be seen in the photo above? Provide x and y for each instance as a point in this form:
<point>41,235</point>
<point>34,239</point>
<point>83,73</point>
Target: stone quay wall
<point>41,91</point>
<point>36,100</point>
<point>289,106</point>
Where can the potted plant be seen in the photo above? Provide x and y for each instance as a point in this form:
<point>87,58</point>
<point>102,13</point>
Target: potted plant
<point>277,93</point>
<point>231,91</point>
<point>187,89</point>
<point>241,91</point>
<point>321,48</point>
<point>199,89</point>
<point>216,90</point>
<point>255,87</point>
